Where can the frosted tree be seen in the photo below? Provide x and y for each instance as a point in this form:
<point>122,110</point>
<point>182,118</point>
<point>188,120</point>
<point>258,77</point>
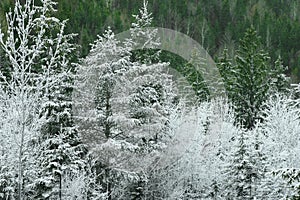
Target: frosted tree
<point>262,180</point>
<point>127,114</point>
<point>61,149</point>
<point>295,100</point>
<point>147,38</point>
<point>57,157</point>
<point>151,102</point>
<point>291,176</point>
<point>128,110</point>
<point>248,169</point>
<point>83,184</point>
<point>154,92</point>
<point>190,167</point>
<point>252,79</point>
<point>281,128</point>
<point>38,52</point>
<point>74,186</point>
<point>108,137</point>
<point>131,103</point>
<point>240,169</point>
<point>227,72</point>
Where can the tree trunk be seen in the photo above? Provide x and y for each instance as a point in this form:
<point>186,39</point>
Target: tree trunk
<point>108,183</point>
<point>20,170</point>
<point>60,187</point>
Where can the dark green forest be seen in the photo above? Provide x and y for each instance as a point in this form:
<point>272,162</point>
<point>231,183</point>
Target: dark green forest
<point>215,24</point>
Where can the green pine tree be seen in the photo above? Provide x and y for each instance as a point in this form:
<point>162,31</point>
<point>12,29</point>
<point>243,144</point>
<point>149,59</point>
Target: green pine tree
<point>249,78</point>
<point>252,79</point>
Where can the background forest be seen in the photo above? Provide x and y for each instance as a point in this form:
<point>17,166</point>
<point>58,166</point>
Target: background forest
<point>215,24</point>
<point>87,117</point>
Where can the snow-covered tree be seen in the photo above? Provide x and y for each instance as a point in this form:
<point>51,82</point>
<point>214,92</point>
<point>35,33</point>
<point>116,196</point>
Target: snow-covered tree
<point>38,52</point>
<point>280,82</point>
<point>190,167</point>
<point>195,78</point>
<point>248,168</point>
<point>291,177</point>
<point>130,105</point>
<point>108,138</point>
<point>58,156</point>
<point>227,72</point>
<point>281,129</point>
<point>61,150</point>
<point>252,79</point>
<point>154,91</point>
<point>83,184</point>
<point>151,102</point>
<point>147,39</point>
<point>153,98</point>
<point>240,169</point>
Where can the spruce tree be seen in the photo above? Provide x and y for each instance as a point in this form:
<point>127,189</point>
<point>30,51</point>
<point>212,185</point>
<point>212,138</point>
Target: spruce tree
<point>129,110</point>
<point>227,72</point>
<point>145,38</point>
<point>280,82</point>
<point>240,169</point>
<point>248,166</point>
<point>153,92</point>
<point>108,132</point>
<point>152,98</point>
<point>249,78</point>
<point>252,79</point>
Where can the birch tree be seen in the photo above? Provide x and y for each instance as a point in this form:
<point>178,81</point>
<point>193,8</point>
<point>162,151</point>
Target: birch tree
<point>37,50</point>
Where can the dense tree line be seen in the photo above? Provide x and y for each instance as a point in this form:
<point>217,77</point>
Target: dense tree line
<point>214,24</point>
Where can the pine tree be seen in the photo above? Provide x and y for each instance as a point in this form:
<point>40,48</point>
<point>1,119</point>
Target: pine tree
<point>280,82</point>
<point>252,79</point>
<point>258,158</point>
<point>247,167</point>
<point>154,92</point>
<point>107,66</point>
<point>60,141</point>
<point>145,38</point>
<point>240,170</point>
<point>152,98</point>
<point>131,103</point>
<point>227,72</point>
<point>249,79</point>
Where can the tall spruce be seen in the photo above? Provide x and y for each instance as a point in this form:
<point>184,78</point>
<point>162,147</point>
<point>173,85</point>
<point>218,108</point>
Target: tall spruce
<point>252,79</point>
<point>108,135</point>
<point>132,100</point>
<point>152,99</point>
<point>249,78</point>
